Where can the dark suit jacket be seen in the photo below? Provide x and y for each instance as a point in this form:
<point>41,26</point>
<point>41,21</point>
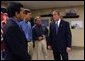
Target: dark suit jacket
<point>38,31</point>
<point>15,41</point>
<point>62,39</point>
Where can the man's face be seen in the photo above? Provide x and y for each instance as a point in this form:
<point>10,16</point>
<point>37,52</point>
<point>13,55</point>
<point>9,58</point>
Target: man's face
<point>21,15</point>
<point>28,16</point>
<point>55,16</point>
<point>38,21</point>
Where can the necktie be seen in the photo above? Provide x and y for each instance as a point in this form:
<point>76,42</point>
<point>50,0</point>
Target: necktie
<point>56,24</point>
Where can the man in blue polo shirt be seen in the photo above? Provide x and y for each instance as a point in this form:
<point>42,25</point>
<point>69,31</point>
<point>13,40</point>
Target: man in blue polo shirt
<point>26,26</point>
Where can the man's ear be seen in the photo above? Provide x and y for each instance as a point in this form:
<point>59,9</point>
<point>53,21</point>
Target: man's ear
<point>16,14</point>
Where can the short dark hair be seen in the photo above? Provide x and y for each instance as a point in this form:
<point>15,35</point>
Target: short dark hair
<point>4,10</point>
<point>13,7</point>
<point>26,11</point>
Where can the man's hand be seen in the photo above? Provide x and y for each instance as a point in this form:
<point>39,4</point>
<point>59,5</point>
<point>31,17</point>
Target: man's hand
<point>44,36</point>
<point>49,47</point>
<point>40,38</point>
<point>68,49</point>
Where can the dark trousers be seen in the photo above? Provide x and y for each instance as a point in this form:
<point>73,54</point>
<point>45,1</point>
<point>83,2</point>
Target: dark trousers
<point>8,56</point>
<point>59,54</point>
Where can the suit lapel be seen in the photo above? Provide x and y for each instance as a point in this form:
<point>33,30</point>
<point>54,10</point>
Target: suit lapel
<point>60,25</point>
<point>59,28</point>
<point>18,27</point>
<point>54,27</point>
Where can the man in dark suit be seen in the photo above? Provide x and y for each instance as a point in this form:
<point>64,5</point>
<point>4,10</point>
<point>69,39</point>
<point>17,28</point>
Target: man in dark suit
<point>59,37</point>
<point>14,36</point>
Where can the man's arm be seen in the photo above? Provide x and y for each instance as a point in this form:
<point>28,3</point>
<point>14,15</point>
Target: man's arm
<point>50,37</point>
<point>17,43</point>
<point>68,35</point>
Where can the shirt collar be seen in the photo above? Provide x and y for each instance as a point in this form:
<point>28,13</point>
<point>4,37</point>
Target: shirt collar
<point>25,21</point>
<point>58,22</point>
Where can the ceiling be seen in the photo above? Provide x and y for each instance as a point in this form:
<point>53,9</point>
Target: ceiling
<point>49,4</point>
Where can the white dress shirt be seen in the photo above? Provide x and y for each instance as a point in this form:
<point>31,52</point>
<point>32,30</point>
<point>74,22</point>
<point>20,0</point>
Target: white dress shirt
<point>58,22</point>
